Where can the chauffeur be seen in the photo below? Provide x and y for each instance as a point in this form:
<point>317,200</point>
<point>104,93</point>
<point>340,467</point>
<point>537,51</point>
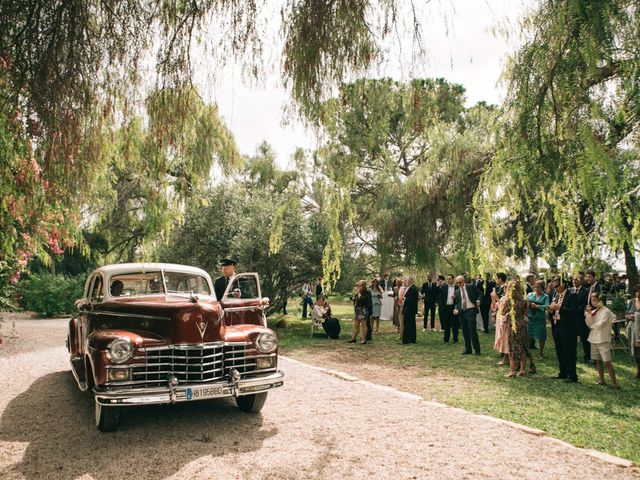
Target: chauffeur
<point>228,268</point>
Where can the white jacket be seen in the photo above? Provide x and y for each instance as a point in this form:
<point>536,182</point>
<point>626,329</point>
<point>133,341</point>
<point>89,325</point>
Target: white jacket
<point>600,325</point>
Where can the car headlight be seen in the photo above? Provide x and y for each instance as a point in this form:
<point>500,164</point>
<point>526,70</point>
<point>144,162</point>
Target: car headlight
<point>120,350</point>
<point>266,342</point>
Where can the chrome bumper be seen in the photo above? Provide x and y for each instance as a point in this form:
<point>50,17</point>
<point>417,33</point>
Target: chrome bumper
<point>186,393</point>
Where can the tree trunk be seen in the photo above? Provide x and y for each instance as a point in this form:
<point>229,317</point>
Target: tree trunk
<point>631,266</point>
<point>533,264</point>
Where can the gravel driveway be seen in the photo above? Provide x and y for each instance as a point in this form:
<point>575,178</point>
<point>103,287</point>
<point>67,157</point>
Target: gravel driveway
<point>316,426</point>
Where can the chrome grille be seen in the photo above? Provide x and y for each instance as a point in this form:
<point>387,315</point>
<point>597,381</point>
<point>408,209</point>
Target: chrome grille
<point>241,357</point>
<point>189,364</point>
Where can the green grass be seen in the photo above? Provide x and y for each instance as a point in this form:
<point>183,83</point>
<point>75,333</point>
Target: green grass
<point>584,414</point>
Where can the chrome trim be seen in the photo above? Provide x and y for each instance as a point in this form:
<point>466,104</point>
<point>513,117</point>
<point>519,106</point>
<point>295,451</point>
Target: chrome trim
<point>81,385</point>
<point>243,309</point>
<point>149,396</point>
<point>130,315</point>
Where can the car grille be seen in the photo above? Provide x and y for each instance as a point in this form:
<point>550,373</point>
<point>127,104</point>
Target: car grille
<point>191,363</point>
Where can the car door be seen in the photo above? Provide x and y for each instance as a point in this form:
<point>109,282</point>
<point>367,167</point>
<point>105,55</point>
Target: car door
<point>242,301</point>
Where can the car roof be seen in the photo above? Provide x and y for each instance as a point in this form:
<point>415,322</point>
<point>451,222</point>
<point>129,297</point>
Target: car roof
<point>115,269</point>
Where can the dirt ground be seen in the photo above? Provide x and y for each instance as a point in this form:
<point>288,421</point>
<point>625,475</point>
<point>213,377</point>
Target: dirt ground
<point>317,426</point>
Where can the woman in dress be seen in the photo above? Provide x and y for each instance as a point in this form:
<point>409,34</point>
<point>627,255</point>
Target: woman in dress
<point>362,309</point>
<point>397,306</point>
<point>633,329</point>
<point>376,303</point>
<point>538,303</point>
<point>514,313</point>
<point>498,298</point>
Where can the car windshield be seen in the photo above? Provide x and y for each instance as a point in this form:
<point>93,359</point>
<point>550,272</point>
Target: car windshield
<point>149,283</point>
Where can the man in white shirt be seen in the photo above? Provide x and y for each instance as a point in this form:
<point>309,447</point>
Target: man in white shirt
<point>467,302</point>
<point>448,320</point>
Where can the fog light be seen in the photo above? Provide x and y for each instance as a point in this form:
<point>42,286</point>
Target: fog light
<point>265,362</point>
<point>119,374</point>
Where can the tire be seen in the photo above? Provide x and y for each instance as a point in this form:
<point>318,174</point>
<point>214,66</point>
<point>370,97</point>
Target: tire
<point>251,403</point>
<point>107,418</point>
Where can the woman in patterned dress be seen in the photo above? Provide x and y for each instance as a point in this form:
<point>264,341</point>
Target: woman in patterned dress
<point>514,312</point>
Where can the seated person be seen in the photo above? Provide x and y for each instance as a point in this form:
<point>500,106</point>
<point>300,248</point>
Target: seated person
<point>154,286</point>
<point>321,312</point>
<point>116,288</point>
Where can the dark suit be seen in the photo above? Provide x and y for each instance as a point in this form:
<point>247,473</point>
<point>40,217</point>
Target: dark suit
<point>409,311</point>
<point>220,286</point>
<point>448,321</point>
<point>430,292</point>
<point>468,317</point>
<point>583,328</point>
<point>565,333</point>
<point>485,303</point>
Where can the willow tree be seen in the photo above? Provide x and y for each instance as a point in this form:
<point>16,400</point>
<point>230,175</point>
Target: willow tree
<point>69,70</point>
<point>404,161</point>
<point>570,156</point>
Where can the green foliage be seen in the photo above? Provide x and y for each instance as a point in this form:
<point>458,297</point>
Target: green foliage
<point>48,295</point>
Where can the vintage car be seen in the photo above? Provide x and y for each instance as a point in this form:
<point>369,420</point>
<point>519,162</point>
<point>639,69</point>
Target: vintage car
<point>155,333</point>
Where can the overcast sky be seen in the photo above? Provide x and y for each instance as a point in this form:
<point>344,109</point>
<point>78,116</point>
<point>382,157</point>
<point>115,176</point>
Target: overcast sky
<point>461,47</point>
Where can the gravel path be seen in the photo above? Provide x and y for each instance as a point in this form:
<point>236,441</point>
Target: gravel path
<point>317,426</point>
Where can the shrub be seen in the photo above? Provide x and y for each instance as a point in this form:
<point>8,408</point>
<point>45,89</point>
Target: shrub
<point>48,295</point>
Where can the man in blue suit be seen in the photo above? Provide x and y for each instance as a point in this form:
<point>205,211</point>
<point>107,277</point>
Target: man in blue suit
<point>467,302</point>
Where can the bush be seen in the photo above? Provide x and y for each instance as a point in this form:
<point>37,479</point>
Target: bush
<point>48,295</point>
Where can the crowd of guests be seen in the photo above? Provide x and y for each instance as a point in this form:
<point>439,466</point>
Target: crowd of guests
<point>575,308</point>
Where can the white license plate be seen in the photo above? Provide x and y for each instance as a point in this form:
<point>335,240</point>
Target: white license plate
<point>200,393</point>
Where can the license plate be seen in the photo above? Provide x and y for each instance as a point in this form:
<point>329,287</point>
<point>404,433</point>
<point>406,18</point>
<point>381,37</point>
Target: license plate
<point>200,393</point>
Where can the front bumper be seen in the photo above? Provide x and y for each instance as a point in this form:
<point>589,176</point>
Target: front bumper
<point>187,393</point>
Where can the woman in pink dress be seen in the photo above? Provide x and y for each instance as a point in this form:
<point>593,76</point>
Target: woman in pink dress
<point>498,297</point>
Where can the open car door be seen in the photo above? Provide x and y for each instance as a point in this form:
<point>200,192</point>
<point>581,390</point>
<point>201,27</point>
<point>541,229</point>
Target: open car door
<point>242,301</point>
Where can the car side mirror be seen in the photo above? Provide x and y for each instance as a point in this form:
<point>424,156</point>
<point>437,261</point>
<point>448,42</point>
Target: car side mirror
<point>83,304</point>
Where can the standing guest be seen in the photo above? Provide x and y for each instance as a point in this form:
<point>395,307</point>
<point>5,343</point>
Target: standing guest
<point>409,311</point>
<point>466,307</point>
<point>633,329</point>
<point>514,314</point>
<point>284,295</point>
<point>600,320</point>
<point>501,343</point>
<point>322,312</point>
<point>228,268</point>
<point>538,303</point>
<point>319,289</point>
<point>430,294</point>
<point>446,305</point>
<point>592,284</point>
<point>387,284</point>
<point>485,301</point>
<point>565,329</point>
<point>583,329</point>
<point>398,290</point>
<point>307,301</point>
<point>376,303</point>
<point>531,283</point>
<point>362,309</point>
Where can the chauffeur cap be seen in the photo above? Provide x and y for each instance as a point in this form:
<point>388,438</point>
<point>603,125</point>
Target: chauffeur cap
<point>225,262</point>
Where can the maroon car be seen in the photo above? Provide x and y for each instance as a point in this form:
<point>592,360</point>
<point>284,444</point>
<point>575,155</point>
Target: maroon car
<point>155,333</point>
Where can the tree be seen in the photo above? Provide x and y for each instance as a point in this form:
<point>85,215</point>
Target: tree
<point>571,134</point>
<point>404,160</point>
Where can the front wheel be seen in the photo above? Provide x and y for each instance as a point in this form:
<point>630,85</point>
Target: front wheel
<point>251,403</point>
<point>107,418</point>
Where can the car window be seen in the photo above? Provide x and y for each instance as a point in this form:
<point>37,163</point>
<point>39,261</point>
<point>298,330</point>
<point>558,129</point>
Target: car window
<point>179,282</point>
<point>243,287</point>
<point>136,283</point>
<point>96,289</point>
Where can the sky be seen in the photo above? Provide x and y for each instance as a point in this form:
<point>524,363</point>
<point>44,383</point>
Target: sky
<point>461,44</point>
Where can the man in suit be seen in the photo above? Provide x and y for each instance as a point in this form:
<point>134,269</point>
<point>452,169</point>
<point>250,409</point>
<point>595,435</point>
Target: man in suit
<point>485,301</point>
<point>446,304</point>
<point>409,311</point>
<point>583,329</point>
<point>564,310</point>
<point>429,292</point>
<point>592,284</point>
<point>466,308</point>
<point>228,267</point>
<point>386,283</point>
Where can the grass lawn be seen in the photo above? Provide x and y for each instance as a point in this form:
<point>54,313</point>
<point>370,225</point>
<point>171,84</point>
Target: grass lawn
<point>584,414</point>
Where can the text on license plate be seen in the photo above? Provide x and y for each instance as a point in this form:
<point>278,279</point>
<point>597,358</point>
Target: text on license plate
<point>200,393</point>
